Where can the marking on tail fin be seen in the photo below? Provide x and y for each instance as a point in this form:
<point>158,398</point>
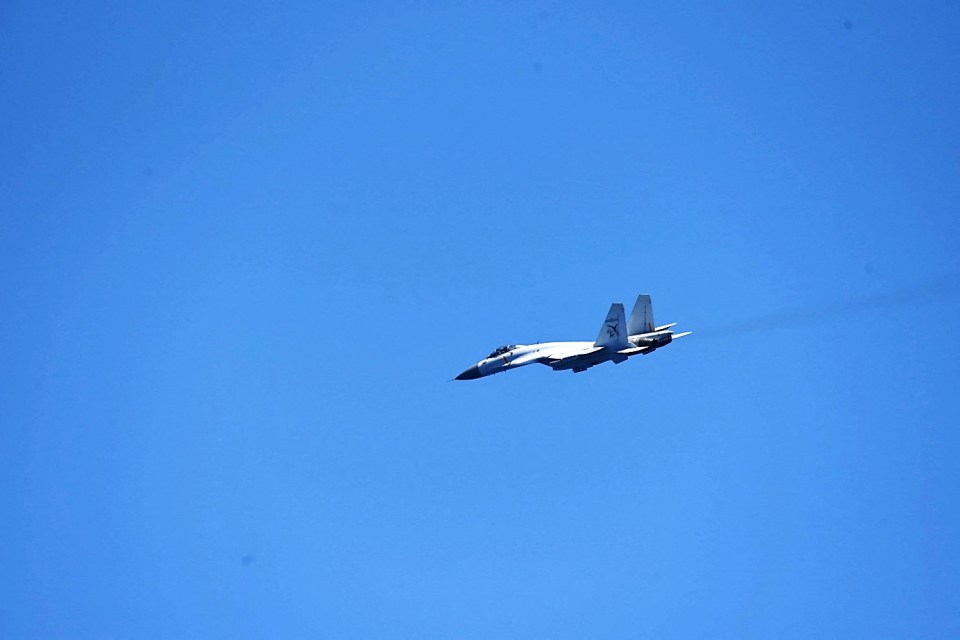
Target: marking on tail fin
<point>612,331</point>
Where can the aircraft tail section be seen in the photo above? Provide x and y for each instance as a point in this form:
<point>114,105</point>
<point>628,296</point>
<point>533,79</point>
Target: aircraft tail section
<point>641,318</point>
<point>613,333</point>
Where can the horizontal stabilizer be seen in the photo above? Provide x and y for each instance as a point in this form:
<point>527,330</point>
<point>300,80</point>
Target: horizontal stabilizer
<point>680,335</point>
<point>666,326</point>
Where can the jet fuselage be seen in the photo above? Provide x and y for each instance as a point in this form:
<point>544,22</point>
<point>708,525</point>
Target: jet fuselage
<point>617,341</point>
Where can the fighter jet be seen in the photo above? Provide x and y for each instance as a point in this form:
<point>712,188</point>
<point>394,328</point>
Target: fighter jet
<point>618,340</point>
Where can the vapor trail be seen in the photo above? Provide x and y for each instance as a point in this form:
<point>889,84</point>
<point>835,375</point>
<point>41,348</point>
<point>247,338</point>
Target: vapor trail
<point>940,289</point>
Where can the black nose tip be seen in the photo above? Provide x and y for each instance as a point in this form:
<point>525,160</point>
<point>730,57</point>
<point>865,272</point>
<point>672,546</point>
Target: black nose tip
<point>470,374</point>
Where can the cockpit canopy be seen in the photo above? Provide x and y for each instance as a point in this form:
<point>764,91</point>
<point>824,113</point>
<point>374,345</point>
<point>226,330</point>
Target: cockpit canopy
<point>501,350</point>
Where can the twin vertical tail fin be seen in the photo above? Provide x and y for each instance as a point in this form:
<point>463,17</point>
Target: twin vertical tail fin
<point>613,333</point>
<point>641,318</point>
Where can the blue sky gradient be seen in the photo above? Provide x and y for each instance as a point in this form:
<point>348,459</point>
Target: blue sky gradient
<point>243,249</point>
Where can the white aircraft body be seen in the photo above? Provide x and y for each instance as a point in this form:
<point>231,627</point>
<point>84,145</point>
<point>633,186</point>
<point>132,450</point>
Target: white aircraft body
<point>618,340</point>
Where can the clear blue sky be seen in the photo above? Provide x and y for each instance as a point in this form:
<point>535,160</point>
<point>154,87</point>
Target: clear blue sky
<point>244,248</point>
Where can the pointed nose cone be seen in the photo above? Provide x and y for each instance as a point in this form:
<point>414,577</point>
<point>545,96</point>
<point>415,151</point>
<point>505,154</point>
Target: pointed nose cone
<point>470,374</point>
